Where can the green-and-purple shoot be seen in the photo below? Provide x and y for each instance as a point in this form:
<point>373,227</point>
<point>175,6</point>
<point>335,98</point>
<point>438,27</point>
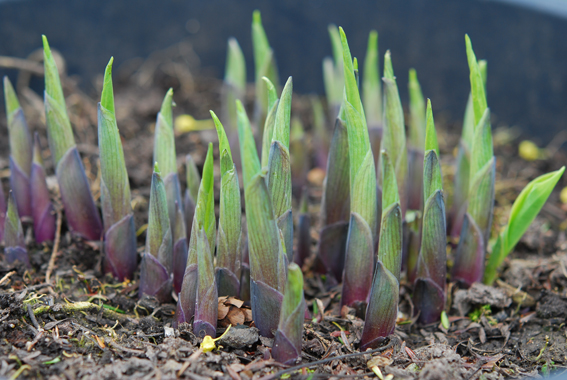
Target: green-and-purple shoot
<point>335,205</point>
<point>429,286</point>
<point>164,155</point>
<point>42,208</point>
<point>157,259</point>
<point>382,309</point>
<point>191,194</point>
<point>303,250</point>
<point>119,229</point>
<point>230,214</point>
<point>462,166</point>
<point>204,218</point>
<point>82,215</point>
<point>20,151</point>
<point>206,301</point>
<point>471,251</point>
<point>416,142</point>
<point>279,169</point>
<point>289,336</point>
<point>362,235</point>
<point>523,212</point>
<point>394,136</point>
<point>14,243</point>
<point>268,260</point>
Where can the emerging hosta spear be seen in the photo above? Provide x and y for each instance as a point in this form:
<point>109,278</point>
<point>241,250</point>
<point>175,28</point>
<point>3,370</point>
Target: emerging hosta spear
<point>471,251</point>
<point>335,205</point>
<point>155,270</point>
<point>279,169</point>
<point>119,229</point>
<point>382,309</point>
<point>164,155</point>
<point>268,260</point>
<point>15,246</point>
<point>230,214</point>
<point>82,215</point>
<point>289,336</point>
<point>394,135</point>
<point>20,151</point>
<point>357,278</point>
<point>42,208</point>
<point>204,218</point>
<point>429,287</point>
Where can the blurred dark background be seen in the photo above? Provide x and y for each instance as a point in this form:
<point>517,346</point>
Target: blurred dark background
<point>526,48</point>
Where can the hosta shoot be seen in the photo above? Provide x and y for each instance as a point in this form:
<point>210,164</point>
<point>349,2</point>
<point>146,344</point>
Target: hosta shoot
<point>335,205</point>
<point>394,135</point>
<point>524,210</point>
<point>289,336</point>
<point>279,169</point>
<point>204,218</point>
<point>157,259</point>
<point>357,278</point>
<point>164,155</point>
<point>268,260</point>
<point>382,309</point>
<point>429,286</point>
<point>471,251</point>
<point>462,167</point>
<point>229,230</point>
<point>20,151</point>
<point>119,229</point>
<point>82,215</point>
<point>206,301</point>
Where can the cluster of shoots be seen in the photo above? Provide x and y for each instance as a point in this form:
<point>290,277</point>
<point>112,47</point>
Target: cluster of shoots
<point>383,211</point>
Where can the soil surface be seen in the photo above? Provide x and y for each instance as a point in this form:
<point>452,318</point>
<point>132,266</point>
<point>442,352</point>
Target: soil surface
<point>79,323</point>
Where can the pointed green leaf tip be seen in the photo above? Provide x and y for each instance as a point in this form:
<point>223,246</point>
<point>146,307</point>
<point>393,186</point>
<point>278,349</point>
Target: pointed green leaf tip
<point>59,129</point>
<point>107,97</point>
<point>156,168</point>
<point>223,139</point>
<point>11,100</point>
<point>351,86</point>
<point>52,80</point>
<point>282,124</point>
<point>477,83</point>
<point>430,134</point>
<point>166,105</point>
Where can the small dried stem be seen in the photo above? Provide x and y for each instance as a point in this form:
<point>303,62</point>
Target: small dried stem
<point>55,250</point>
